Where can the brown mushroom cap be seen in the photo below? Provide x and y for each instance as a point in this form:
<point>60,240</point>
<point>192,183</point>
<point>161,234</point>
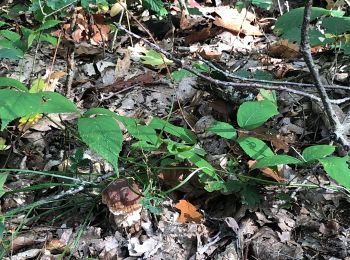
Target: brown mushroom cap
<point>122,196</point>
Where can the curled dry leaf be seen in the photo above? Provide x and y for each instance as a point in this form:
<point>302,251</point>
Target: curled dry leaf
<point>189,212</point>
<point>123,201</point>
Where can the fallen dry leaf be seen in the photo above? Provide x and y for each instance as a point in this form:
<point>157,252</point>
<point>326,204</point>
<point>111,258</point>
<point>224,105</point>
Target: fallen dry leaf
<point>267,172</point>
<point>227,18</point>
<point>189,212</point>
<point>284,49</point>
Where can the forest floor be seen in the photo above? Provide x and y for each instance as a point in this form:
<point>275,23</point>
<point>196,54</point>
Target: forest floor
<point>298,214</point>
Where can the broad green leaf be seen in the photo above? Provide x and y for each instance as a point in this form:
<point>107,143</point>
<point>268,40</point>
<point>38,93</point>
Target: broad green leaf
<point>224,130</point>
<point>336,25</point>
<point>2,23</point>
<point>11,53</point>
<point>262,75</point>
<point>103,135</point>
<point>252,114</point>
<point>48,24</point>
<point>275,160</point>
<point>180,132</point>
<point>155,59</point>
<point>317,152</point>
<point>9,82</point>
<point>15,104</point>
<point>338,169</point>
<point>295,18</point>
<point>255,148</point>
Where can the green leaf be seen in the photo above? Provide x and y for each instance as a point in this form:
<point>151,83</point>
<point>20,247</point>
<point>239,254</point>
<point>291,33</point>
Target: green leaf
<point>275,160</point>
<point>45,37</point>
<point>155,59</point>
<point>283,26</point>
<point>11,53</point>
<point>338,169</point>
<point>181,74</point>
<point>9,82</point>
<point>317,152</point>
<point>224,130</point>
<point>38,85</point>
<point>103,135</point>
<point>3,178</point>
<point>180,132</point>
<point>199,162</point>
<point>155,5</point>
<point>31,39</point>
<point>255,148</point>
<point>15,104</point>
<point>12,36</point>
<point>48,24</point>
<point>269,95</point>
<point>249,195</point>
<point>252,114</point>
<point>265,4</point>
<point>336,25</point>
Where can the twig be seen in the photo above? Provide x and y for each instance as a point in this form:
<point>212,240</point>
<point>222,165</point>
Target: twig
<point>305,48</point>
<point>227,85</point>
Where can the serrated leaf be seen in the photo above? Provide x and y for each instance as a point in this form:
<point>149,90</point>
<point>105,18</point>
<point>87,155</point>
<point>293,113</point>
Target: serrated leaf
<point>255,148</point>
<point>338,169</point>
<point>252,114</point>
<point>224,130</point>
<point>317,152</point>
<point>10,82</point>
<point>15,104</point>
<point>180,132</point>
<point>103,135</point>
<point>275,160</point>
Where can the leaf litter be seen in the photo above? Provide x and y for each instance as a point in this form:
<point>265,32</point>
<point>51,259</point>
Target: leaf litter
<point>294,223</point>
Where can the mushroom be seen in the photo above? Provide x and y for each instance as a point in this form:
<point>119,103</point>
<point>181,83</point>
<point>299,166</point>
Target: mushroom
<point>123,201</point>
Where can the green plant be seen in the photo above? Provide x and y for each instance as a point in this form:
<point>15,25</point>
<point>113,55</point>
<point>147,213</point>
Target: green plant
<point>331,28</point>
<point>254,114</point>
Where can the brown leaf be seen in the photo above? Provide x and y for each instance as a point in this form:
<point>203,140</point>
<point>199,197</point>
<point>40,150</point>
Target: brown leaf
<point>229,20</point>
<point>189,212</point>
<point>267,172</point>
<point>284,49</point>
<point>201,35</point>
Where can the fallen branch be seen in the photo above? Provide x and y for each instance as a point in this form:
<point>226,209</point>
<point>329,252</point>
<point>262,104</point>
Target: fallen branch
<point>336,126</point>
<point>227,86</point>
